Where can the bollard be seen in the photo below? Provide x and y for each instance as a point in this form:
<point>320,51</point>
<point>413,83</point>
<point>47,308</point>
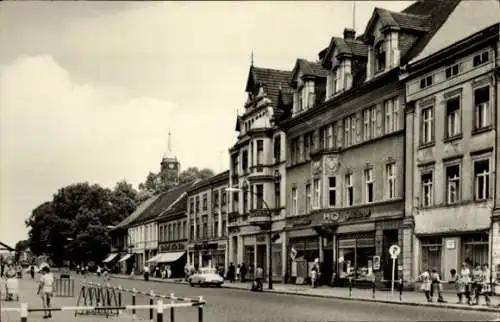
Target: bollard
<point>159,311</point>
<point>401,289</point>
<point>373,290</point>
<point>152,294</point>
<point>134,316</point>
<point>350,287</point>
<point>24,312</point>
<point>172,313</point>
<point>200,311</point>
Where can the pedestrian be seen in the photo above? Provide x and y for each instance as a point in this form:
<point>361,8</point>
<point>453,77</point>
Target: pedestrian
<point>238,268</point>
<point>486,287</point>
<point>314,276</point>
<point>436,285</point>
<point>169,272</point>
<point>146,273</point>
<point>477,284</point>
<point>98,271</point>
<point>45,289</point>
<point>259,276</point>
<point>425,278</point>
<point>132,272</point>
<point>243,272</point>
<point>32,271</point>
<point>231,273</point>
<point>465,277</point>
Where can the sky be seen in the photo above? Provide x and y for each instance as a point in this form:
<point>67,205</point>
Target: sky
<point>90,90</point>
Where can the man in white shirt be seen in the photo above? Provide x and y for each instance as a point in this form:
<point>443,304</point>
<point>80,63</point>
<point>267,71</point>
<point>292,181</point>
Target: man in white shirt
<point>45,289</point>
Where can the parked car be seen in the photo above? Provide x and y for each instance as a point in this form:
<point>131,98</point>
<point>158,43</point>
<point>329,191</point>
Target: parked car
<point>206,277</point>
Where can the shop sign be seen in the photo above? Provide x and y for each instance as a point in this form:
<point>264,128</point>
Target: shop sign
<point>344,216</point>
<point>206,246</point>
<point>450,244</point>
<point>299,222</point>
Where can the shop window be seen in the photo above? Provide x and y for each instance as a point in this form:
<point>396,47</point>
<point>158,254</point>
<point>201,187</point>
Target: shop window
<point>481,179</point>
<point>453,127</point>
<point>431,254</point>
<point>332,191</point>
<point>427,190</point>
<point>453,183</point>
<point>349,190</point>
<point>308,198</point>
<point>356,257</point>
<point>482,114</point>
<point>369,185</point>
<point>475,249</point>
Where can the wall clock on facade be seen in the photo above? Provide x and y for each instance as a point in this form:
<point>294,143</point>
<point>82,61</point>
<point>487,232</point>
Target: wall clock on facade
<point>171,165</point>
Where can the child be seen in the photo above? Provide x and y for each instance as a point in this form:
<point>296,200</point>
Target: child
<point>426,284</point>
<point>314,276</point>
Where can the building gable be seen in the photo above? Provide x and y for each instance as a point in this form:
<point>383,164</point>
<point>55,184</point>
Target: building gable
<point>467,18</point>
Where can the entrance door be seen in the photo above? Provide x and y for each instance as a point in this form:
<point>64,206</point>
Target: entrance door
<point>261,257</point>
<point>327,269</point>
<point>390,238</point>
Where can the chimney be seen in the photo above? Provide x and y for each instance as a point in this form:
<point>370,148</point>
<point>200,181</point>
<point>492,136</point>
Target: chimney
<point>349,33</point>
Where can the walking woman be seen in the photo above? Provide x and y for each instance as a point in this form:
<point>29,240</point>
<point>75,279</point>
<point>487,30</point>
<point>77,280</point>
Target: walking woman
<point>477,284</point>
<point>465,278</point>
<point>425,278</point>
<point>45,289</point>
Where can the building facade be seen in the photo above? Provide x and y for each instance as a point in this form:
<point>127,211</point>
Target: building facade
<point>257,170</point>
<point>451,147</point>
<point>207,206</point>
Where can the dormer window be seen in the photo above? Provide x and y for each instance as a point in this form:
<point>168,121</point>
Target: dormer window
<point>379,57</point>
<point>300,106</point>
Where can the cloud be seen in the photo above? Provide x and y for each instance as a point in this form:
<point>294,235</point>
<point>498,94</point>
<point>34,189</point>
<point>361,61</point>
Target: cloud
<point>54,131</point>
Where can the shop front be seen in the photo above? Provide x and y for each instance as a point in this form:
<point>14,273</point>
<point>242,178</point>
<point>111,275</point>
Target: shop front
<point>208,254</point>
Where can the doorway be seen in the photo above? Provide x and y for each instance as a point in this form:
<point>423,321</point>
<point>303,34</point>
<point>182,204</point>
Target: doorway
<point>262,257</point>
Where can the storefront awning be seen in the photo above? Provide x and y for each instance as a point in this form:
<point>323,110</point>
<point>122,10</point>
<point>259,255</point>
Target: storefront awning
<point>154,259</point>
<point>124,258</point>
<point>169,257</point>
<point>110,258</point>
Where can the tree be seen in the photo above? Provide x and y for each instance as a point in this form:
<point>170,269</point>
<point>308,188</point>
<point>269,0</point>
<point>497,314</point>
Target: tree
<point>193,173</point>
<point>73,225</point>
<point>21,246</point>
<point>161,182</point>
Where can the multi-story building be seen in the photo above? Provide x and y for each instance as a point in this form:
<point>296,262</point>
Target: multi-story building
<point>451,147</point>
<point>257,169</point>
<point>207,218</point>
<point>346,170</point>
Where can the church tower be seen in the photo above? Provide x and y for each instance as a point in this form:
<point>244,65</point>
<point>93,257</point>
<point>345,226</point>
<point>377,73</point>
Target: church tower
<point>170,166</point>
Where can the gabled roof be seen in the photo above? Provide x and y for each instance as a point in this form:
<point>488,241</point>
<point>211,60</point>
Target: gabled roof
<point>272,80</point>
<point>402,20</point>
<point>163,202</point>
<point>353,47</point>
<point>180,205</point>
<point>219,178</point>
<point>308,69</point>
<point>133,216</point>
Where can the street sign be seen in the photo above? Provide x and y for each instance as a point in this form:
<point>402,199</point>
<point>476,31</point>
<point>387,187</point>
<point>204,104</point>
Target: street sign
<point>394,250</point>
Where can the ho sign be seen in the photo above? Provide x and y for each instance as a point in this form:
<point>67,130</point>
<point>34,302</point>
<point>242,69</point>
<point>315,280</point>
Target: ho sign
<point>394,250</point>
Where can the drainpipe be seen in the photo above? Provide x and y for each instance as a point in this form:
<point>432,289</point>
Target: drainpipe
<point>495,124</point>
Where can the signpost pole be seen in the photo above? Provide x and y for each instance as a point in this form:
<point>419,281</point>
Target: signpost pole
<point>393,271</point>
<point>394,250</point>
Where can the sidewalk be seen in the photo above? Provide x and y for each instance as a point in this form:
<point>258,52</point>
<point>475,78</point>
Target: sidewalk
<point>27,294</point>
<point>412,298</point>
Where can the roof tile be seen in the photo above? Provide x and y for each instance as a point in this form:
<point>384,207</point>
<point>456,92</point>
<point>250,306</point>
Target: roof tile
<point>272,80</point>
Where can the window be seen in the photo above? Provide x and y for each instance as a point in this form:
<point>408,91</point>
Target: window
<point>427,190</point>
<point>293,150</point>
<point>369,123</point>
<point>197,204</point>
<point>260,195</point>
<point>390,170</point>
<point>215,227</point>
<point>299,100</point>
<point>260,154</point>
<point>277,194</point>
<point>481,59</point>
<point>308,138</point>
<point>451,71</point>
<point>198,230</point>
<point>332,191</point>
<point>301,148</point>
<point>317,194</point>
<point>234,161</point>
<point>191,231</point>
<point>216,199</point>
<point>426,82</point>
<point>308,198</point>
<point>453,127</point>
<point>369,185</point>
<point>391,108</point>
<point>428,125</point>
<point>179,230</point>
<point>354,127</point>
<point>236,201</point>
<point>224,198</point>
<point>482,113</point>
<point>224,228</point>
<point>431,253</point>
<point>349,190</point>
<point>333,82</point>
<point>347,131</point>
<point>481,179</point>
<point>379,57</point>
<point>245,200</point>
<point>453,183</point>
<point>205,202</point>
<point>294,201</point>
<point>330,136</point>
<point>277,148</point>
<point>205,229</point>
<point>322,132</point>
<point>244,161</point>
<point>191,205</point>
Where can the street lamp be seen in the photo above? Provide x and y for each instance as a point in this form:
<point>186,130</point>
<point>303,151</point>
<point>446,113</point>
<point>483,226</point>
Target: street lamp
<point>266,226</point>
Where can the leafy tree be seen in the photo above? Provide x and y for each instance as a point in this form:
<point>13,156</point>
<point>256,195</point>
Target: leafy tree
<point>161,182</point>
<point>73,226</point>
<point>21,246</point>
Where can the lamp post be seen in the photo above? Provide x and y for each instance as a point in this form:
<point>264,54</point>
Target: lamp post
<point>266,226</point>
